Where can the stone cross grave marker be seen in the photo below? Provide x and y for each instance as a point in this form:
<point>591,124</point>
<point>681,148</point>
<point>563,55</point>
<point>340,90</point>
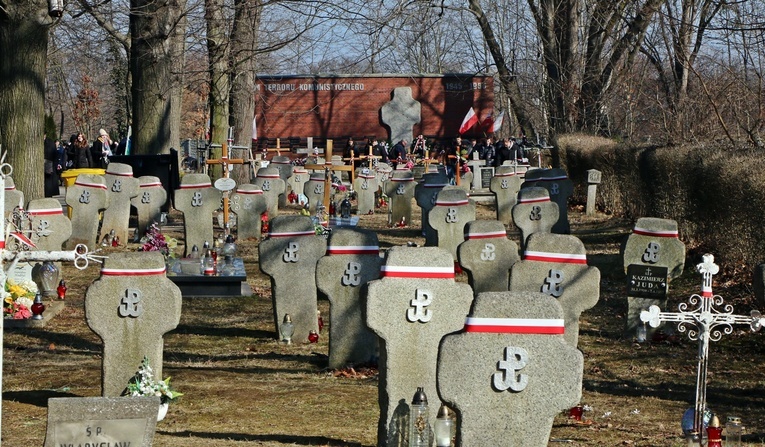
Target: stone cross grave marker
<point>87,197</point>
<point>426,193</point>
<point>131,306</point>
<point>505,185</point>
<point>400,188</point>
<point>487,255</point>
<point>352,260</point>
<point>149,201</point>
<point>50,227</point>
<point>703,322</point>
<point>556,265</point>
<point>365,186</point>
<point>314,191</point>
<point>298,179</point>
<point>556,181</point>
<point>474,163</point>
<point>289,257</point>
<point>534,212</point>
<point>653,257</point>
<point>101,421</point>
<point>121,187</point>
<point>284,165</point>
<point>413,305</point>
<point>249,204</point>
<point>197,200</point>
<point>510,371</point>
<point>593,180</point>
<point>269,181</point>
<point>400,114</point>
<point>13,197</point>
<point>383,172</point>
<point>448,218</point>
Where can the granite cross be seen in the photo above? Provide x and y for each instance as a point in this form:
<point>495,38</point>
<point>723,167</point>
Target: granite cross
<point>703,323</point>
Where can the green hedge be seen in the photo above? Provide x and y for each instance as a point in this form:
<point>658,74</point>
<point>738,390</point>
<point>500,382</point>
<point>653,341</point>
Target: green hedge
<point>715,193</point>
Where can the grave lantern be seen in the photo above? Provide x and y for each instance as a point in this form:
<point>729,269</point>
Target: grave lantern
<point>345,208</point>
<point>37,307</point>
<point>714,433</point>
<point>45,275</point>
<point>419,428</point>
<point>733,432</point>
<point>443,430</point>
<point>229,248</point>
<point>61,289</point>
<point>287,329</point>
<point>55,8</point>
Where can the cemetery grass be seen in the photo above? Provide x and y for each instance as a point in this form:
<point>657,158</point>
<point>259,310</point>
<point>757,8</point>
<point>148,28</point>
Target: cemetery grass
<point>243,388</point>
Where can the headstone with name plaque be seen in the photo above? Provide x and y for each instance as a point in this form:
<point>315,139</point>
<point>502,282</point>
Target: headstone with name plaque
<point>197,200</point>
<point>653,256</point>
<point>269,181</point>
<point>101,421</point>
<point>485,174</point>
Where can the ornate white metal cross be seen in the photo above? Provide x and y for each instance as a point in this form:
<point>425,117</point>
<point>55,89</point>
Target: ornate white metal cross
<point>703,323</point>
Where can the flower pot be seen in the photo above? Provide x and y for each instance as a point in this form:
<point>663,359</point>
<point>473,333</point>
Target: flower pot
<point>162,411</point>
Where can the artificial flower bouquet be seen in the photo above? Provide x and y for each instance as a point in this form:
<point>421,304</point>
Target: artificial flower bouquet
<point>143,383</point>
<point>18,299</point>
<point>154,240</point>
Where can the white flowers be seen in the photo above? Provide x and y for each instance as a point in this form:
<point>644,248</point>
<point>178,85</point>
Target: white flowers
<point>144,384</point>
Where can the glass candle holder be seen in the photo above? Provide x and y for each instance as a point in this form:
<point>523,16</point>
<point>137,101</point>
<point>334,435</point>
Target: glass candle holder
<point>733,432</point>
<point>37,308</point>
<point>419,426</point>
<point>444,428</point>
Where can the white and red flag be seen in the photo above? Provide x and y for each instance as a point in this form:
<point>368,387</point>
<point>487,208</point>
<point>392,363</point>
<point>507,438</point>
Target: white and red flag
<point>491,124</point>
<point>471,119</point>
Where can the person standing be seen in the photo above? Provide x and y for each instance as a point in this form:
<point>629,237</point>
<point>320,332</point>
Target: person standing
<point>101,150</point>
<point>50,156</point>
<point>398,153</point>
<point>82,155</point>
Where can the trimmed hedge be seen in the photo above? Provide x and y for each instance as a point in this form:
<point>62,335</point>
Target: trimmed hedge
<point>716,194</point>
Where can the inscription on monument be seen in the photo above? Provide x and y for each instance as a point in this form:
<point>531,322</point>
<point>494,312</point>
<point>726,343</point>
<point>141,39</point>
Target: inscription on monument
<point>647,281</point>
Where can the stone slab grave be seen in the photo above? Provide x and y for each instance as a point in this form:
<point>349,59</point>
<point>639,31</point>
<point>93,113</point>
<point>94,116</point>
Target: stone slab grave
<point>197,200</point>
<point>401,113</point>
<point>101,421</point>
<point>556,265</point>
<point>487,256</point>
<point>121,187</point>
<point>505,185</point>
<point>87,198</point>
<point>149,201</point>
<point>653,256</point>
<point>249,203</point>
<point>352,260</point>
<point>289,256</point>
<point>284,165</point>
<point>131,306</point>
<point>13,197</point>
<point>559,186</point>
<point>510,371</point>
<point>50,227</point>
<point>366,187</point>
<point>313,189</point>
<point>269,181</point>
<point>534,212</point>
<point>214,286</point>
<point>297,181</point>
<point>425,195</point>
<point>448,218</point>
<point>400,189</point>
<point>413,305</point>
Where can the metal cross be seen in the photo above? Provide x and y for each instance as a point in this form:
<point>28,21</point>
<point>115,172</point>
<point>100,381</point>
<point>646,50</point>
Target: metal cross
<point>79,255</point>
<point>703,323</point>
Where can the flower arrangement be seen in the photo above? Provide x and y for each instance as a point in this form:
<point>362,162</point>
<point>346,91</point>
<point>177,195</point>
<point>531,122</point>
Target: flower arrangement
<point>143,383</point>
<point>154,240</point>
<point>18,299</point>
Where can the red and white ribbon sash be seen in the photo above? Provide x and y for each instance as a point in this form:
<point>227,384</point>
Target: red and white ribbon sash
<point>563,258</point>
<point>268,176</point>
<point>150,184</point>
<point>133,272</point>
<point>23,239</point>
<point>542,326</point>
<point>119,174</point>
<point>505,174</point>
<point>706,291</point>
<point>486,235</point>
<point>195,185</point>
<point>293,234</point>
<point>300,171</point>
<point>452,202</point>
<point>366,176</point>
<point>401,271</point>
<point>45,212</point>
<point>533,200</point>
<point>90,185</point>
<point>10,188</point>
<point>655,233</point>
<point>353,250</point>
<point>249,191</point>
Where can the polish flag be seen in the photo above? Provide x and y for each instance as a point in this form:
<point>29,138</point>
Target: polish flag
<point>491,124</point>
<point>254,130</point>
<point>471,119</point>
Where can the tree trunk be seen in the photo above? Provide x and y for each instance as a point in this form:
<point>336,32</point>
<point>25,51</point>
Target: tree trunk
<point>244,42</point>
<point>153,26</point>
<point>218,53</point>
<point>23,56</point>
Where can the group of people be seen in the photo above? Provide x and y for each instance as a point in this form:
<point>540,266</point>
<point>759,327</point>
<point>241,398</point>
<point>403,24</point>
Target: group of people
<point>77,153</point>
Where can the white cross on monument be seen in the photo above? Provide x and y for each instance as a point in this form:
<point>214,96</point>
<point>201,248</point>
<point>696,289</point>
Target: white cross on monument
<point>703,323</point>
<point>79,255</point>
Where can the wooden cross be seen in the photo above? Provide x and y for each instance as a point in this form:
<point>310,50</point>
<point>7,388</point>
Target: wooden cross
<point>328,168</point>
<point>224,161</point>
<point>703,323</point>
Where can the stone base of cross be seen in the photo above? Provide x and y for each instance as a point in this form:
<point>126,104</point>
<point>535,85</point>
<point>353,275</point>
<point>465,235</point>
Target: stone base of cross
<point>704,323</point>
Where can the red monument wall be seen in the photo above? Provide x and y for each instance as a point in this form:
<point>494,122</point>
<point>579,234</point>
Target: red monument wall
<point>349,106</point>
